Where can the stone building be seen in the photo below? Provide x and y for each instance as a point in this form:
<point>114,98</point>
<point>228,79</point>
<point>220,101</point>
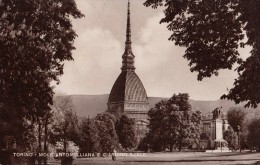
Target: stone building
<point>128,94</point>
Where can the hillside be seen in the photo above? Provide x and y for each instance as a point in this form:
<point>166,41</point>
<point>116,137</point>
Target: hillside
<point>91,105</point>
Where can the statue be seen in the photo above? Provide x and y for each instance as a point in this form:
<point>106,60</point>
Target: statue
<point>217,113</point>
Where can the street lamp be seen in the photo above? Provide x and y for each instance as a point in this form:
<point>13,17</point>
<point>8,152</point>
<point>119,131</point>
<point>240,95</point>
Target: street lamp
<point>239,145</point>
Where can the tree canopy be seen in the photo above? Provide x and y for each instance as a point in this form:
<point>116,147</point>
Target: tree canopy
<point>89,139</point>
<point>108,138</point>
<point>253,134</point>
<point>212,31</point>
<point>35,38</point>
<point>173,124</point>
<point>236,118</point>
<point>65,121</point>
<point>232,138</point>
<point>127,132</point>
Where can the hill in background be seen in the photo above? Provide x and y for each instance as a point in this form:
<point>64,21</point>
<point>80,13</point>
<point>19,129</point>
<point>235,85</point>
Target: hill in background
<point>91,105</point>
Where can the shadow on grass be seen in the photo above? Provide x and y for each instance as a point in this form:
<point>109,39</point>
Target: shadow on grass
<point>257,163</point>
<point>231,154</point>
<point>192,160</point>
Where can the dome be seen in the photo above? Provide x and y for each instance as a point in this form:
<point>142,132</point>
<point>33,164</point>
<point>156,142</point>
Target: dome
<point>128,94</point>
<point>127,88</point>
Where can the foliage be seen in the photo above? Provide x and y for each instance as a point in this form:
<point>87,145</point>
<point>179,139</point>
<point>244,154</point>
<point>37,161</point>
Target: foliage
<point>36,37</point>
<point>173,123</point>
<point>232,138</point>
<point>107,132</point>
<point>144,144</point>
<point>71,148</point>
<point>212,31</point>
<point>127,133</point>
<point>89,139</point>
<point>236,117</point>
<point>157,126</point>
<point>254,134</point>
<point>244,144</point>
<point>65,122</point>
<point>16,129</point>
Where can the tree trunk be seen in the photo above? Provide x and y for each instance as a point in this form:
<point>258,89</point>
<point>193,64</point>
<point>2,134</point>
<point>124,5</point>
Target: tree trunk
<point>39,140</point>
<point>65,145</point>
<point>45,139</point>
<point>65,138</point>
<point>180,146</point>
<point>171,146</point>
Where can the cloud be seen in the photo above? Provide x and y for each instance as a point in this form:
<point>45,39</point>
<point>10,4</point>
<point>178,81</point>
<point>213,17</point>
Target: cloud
<point>164,71</point>
<point>159,62</point>
<point>95,64</point>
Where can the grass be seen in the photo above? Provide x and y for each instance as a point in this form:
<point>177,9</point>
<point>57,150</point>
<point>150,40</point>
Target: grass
<point>168,158</point>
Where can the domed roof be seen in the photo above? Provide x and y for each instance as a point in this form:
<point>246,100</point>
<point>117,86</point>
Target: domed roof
<point>128,87</point>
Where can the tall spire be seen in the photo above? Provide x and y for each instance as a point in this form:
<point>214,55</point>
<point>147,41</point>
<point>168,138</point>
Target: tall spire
<point>128,28</point>
<point>128,56</point>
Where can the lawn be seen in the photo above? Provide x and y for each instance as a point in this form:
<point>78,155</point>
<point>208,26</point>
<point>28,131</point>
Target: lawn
<point>167,158</point>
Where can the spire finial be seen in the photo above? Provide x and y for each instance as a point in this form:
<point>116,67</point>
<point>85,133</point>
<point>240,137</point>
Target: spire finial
<point>128,56</point>
<point>128,28</point>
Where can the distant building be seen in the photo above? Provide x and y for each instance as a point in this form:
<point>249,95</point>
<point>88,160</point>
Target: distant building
<point>128,94</point>
<point>214,125</point>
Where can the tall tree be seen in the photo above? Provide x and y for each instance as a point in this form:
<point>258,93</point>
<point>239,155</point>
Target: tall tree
<point>173,123</point>
<point>212,31</point>
<point>253,134</point>
<point>232,138</point>
<point>236,117</point>
<point>156,136</point>
<point>107,132</point>
<point>65,122</point>
<point>188,123</point>
<point>36,37</point>
<point>127,132</point>
<point>89,139</point>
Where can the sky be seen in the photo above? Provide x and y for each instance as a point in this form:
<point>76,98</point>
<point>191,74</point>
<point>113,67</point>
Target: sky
<point>159,63</point>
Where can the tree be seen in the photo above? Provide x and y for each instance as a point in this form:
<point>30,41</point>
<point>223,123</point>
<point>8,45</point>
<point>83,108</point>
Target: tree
<point>107,132</point>
<point>144,144</point>
<point>156,136</point>
<point>36,38</point>
<point>253,134</point>
<point>65,122</point>
<point>127,133</point>
<point>89,139</point>
<point>173,123</point>
<point>212,31</point>
<point>236,117</point>
<point>232,138</point>
<point>244,140</point>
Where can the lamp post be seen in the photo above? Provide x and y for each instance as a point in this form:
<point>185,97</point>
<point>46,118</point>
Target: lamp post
<point>239,145</point>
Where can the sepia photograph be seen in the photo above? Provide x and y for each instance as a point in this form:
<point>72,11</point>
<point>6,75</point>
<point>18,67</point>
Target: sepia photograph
<point>131,82</point>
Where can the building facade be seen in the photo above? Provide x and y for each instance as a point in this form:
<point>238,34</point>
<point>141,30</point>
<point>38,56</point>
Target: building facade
<point>128,94</point>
